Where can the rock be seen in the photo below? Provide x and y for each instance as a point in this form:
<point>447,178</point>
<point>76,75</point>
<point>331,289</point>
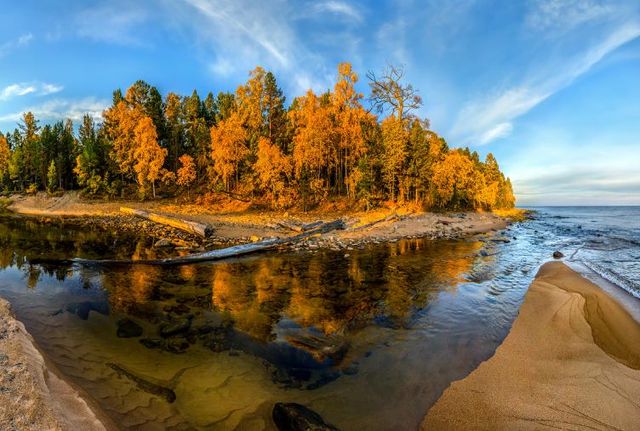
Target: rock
<point>152,343</point>
<point>127,328</point>
<point>255,238</point>
<point>296,417</point>
<point>175,327</point>
<point>557,255</point>
<point>162,243</point>
<point>178,345</point>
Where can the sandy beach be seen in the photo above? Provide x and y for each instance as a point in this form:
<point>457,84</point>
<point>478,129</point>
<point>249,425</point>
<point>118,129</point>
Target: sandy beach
<point>571,361</point>
<point>33,396</point>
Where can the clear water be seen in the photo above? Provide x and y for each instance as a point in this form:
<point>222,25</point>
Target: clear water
<point>369,340</point>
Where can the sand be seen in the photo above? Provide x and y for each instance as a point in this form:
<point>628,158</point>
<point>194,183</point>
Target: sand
<point>570,361</point>
<point>32,395</point>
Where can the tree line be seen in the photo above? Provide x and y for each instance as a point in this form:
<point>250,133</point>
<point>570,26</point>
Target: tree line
<point>251,145</point>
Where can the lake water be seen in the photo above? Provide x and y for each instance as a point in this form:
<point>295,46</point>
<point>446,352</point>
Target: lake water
<point>369,338</point>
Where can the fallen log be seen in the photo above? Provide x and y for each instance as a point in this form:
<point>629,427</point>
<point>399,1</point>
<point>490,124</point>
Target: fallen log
<point>200,229</point>
<point>299,227</point>
<point>206,256</point>
<point>373,223</point>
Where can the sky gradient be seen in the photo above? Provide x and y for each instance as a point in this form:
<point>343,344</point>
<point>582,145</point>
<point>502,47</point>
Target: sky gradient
<point>551,87</point>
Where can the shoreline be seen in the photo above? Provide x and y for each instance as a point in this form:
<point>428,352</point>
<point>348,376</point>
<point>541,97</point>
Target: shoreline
<point>572,358</point>
<point>35,395</point>
<point>248,225</point>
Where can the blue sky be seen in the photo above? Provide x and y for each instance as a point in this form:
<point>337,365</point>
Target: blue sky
<point>551,87</point>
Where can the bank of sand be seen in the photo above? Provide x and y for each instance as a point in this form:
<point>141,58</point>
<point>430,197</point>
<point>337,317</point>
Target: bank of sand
<point>571,361</point>
<point>237,221</point>
<point>32,395</point>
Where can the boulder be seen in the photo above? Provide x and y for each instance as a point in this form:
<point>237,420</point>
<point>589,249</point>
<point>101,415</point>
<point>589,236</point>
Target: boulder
<point>296,417</point>
<point>557,255</point>
<point>127,328</point>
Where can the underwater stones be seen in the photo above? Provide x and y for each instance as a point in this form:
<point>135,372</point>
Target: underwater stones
<point>177,309</point>
<point>82,309</point>
<point>152,343</point>
<point>127,328</point>
<point>557,255</point>
<point>177,345</point>
<point>296,417</point>
<point>175,327</point>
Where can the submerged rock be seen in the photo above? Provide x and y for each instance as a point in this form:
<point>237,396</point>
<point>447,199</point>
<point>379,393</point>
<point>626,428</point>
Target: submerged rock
<point>175,327</point>
<point>152,343</point>
<point>296,417</point>
<point>557,255</point>
<point>127,328</point>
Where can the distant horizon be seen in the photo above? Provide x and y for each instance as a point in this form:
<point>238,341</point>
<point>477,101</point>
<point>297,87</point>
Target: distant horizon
<point>550,88</point>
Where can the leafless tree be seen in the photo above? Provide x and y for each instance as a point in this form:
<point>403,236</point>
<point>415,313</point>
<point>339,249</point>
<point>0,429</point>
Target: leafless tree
<point>388,91</point>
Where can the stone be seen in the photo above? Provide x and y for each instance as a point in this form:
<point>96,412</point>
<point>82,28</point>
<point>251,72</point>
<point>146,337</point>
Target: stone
<point>162,243</point>
<point>557,255</point>
<point>152,343</point>
<point>127,328</point>
<point>296,417</point>
<point>175,327</point>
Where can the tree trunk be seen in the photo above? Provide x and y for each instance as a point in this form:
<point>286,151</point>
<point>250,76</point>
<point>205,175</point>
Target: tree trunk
<point>192,227</point>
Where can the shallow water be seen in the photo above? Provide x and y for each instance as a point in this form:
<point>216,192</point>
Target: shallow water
<point>369,338</point>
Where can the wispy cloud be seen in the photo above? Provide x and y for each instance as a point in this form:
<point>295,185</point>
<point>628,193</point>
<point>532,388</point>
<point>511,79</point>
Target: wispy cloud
<point>25,88</point>
<point>237,19</point>
<point>13,44</point>
<point>551,16</point>
<point>114,22</point>
<point>61,109</point>
<point>338,8</point>
<point>482,121</point>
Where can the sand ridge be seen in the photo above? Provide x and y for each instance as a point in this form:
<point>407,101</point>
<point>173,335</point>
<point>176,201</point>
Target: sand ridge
<point>569,362</point>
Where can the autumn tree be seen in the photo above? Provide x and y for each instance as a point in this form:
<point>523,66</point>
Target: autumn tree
<point>394,141</point>
<point>228,149</point>
<point>273,169</point>
<point>187,171</point>
<point>455,181</point>
<point>148,156</point>
<point>5,157</point>
<point>349,117</point>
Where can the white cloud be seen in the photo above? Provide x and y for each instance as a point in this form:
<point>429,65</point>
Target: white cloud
<point>479,120</point>
<point>339,8</point>
<point>25,88</point>
<point>61,109</point>
<point>21,41</point>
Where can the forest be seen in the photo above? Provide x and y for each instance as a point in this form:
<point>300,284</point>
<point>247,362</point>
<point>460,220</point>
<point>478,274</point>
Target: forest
<point>252,146</point>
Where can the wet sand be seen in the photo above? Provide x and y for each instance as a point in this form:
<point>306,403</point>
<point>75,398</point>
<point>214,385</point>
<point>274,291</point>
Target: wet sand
<point>571,361</point>
<point>32,395</point>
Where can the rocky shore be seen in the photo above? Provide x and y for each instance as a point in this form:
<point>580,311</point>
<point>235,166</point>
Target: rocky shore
<point>571,361</point>
<point>250,226</point>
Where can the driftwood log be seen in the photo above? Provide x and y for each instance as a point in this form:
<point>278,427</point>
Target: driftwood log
<point>388,218</point>
<point>206,256</point>
<point>299,227</point>
<point>192,227</point>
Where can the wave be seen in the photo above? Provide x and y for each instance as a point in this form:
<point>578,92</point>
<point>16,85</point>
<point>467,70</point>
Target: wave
<point>613,277</point>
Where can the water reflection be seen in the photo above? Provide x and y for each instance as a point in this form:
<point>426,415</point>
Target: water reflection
<point>309,318</point>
